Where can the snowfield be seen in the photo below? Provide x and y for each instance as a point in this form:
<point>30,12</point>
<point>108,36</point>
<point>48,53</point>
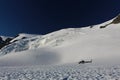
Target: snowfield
<point>66,45</point>
<point>61,72</point>
<point>55,56</point>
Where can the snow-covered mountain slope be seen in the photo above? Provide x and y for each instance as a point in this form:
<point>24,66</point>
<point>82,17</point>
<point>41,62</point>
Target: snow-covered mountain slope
<point>22,36</point>
<point>100,42</point>
<point>55,39</point>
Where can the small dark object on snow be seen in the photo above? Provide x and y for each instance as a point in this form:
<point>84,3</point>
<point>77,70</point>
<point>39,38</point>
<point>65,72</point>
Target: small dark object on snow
<point>65,78</point>
<point>83,62</point>
<point>102,26</point>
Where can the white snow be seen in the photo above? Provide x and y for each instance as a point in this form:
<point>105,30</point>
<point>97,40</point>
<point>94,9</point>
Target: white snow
<point>55,56</point>
<point>69,45</point>
<point>22,35</point>
<point>63,72</point>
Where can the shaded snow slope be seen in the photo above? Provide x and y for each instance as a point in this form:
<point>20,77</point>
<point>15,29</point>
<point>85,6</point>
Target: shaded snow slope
<point>43,56</point>
<point>102,44</point>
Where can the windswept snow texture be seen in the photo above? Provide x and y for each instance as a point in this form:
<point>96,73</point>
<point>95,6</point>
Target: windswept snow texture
<point>63,72</point>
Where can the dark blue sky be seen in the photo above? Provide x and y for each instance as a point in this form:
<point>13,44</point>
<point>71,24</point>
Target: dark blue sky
<point>44,16</point>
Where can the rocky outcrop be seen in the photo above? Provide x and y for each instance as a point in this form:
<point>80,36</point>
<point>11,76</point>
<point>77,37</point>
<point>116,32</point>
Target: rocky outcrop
<point>116,20</point>
<point>4,42</point>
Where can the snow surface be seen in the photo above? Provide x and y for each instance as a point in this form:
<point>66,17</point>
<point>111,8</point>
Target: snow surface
<point>21,36</point>
<point>66,45</point>
<point>55,56</point>
<point>63,72</point>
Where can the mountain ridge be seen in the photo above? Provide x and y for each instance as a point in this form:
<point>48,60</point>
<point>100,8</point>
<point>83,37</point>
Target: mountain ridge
<point>66,45</point>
